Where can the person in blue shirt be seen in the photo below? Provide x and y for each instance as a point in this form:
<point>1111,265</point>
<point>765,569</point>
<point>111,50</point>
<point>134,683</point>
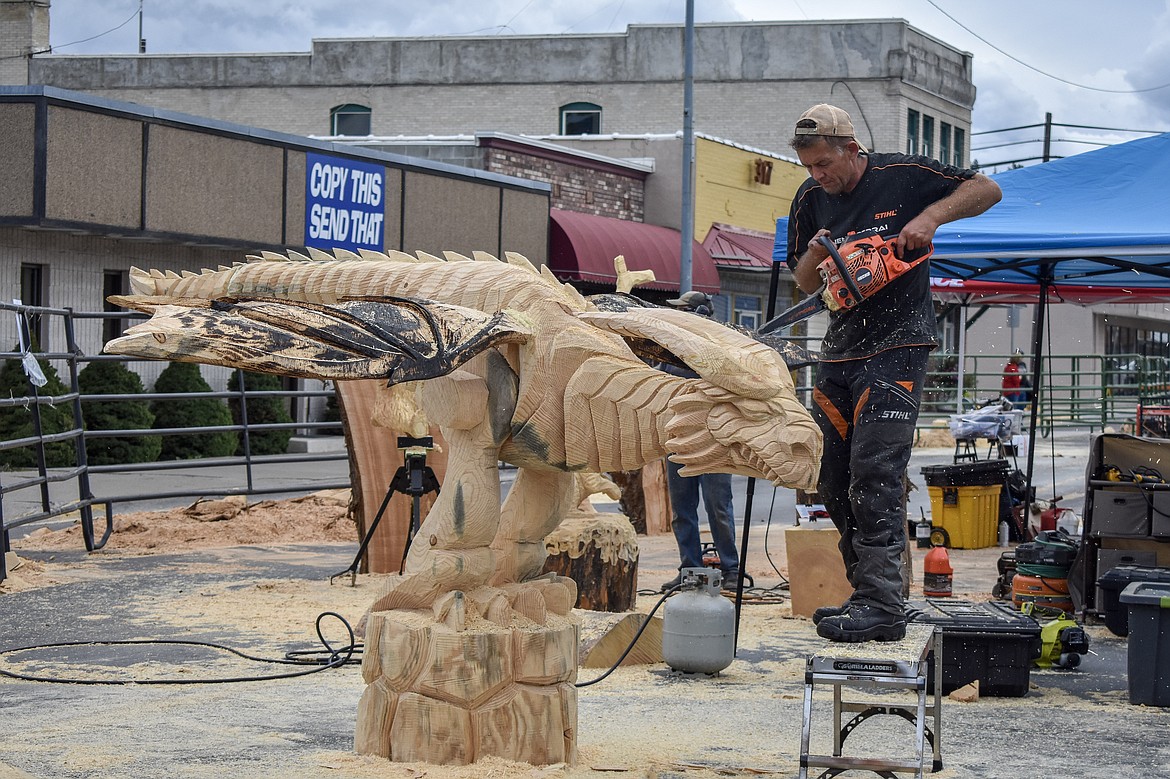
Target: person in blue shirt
<point>714,488</point>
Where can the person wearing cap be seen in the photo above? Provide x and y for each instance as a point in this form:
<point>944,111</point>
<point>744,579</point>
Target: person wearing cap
<point>873,356</point>
<point>1013,378</point>
<point>714,487</point>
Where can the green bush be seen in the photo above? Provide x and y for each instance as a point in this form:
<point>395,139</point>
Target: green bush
<point>114,378</point>
<point>17,421</point>
<point>261,411</point>
<point>191,412</point>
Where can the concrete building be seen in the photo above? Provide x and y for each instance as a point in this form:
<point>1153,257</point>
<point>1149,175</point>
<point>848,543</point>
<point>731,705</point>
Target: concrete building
<point>905,89</point>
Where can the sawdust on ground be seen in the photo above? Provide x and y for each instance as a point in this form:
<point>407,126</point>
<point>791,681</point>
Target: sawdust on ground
<point>208,523</point>
<point>757,694</point>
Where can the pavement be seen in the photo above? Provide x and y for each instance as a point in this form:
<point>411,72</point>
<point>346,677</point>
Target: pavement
<point>743,722</point>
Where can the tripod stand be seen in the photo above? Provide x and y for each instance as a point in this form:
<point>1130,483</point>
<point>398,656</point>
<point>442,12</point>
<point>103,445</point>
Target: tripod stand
<point>414,478</point>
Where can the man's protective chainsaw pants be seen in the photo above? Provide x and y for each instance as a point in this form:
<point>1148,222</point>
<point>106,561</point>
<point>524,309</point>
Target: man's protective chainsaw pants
<point>867,410</point>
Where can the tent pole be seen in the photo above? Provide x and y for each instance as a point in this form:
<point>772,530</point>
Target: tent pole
<point>1045,279</point>
<point>962,357</point>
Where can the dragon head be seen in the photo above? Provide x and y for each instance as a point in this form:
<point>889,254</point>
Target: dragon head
<point>712,430</point>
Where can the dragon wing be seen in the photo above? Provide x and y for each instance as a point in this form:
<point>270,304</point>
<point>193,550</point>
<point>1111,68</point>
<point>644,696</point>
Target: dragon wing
<point>686,340</point>
<point>397,339</point>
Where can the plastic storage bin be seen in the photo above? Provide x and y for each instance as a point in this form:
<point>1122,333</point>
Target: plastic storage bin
<point>1149,642</point>
<point>970,515</point>
<point>1111,584</point>
<point>965,501</point>
<point>991,642</point>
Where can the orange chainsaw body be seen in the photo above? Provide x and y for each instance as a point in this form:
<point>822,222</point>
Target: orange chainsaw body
<point>871,265</point>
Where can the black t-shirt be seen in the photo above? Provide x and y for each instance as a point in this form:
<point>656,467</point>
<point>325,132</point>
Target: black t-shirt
<point>894,189</point>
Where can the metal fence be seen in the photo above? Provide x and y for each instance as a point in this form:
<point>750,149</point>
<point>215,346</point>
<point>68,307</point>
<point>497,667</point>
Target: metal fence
<point>1079,391</point>
<point>38,490</point>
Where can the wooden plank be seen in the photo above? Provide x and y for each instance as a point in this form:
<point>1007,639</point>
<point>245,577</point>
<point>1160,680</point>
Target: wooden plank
<point>657,498</point>
<point>816,573</point>
<point>607,649</point>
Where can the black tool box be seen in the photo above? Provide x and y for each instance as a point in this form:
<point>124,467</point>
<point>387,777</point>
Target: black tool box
<point>989,641</point>
<point>1113,581</point>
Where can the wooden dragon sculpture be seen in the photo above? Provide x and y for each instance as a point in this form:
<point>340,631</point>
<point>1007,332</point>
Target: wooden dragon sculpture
<point>516,367</point>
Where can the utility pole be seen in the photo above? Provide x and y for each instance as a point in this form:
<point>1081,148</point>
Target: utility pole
<point>688,163</point>
<point>141,40</point>
<point>1047,136</point>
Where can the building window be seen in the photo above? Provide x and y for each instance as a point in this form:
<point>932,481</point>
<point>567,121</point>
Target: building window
<point>944,143</point>
<point>580,119</point>
<point>912,132</point>
<point>960,144</point>
<point>34,292</point>
<point>747,311</point>
<point>114,282</point>
<point>928,136</point>
<point>349,119</point>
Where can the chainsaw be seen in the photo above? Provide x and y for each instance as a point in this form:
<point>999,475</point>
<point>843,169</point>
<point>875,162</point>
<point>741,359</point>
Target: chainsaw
<point>849,275</point>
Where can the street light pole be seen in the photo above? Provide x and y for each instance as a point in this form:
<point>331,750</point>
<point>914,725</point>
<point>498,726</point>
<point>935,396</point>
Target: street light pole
<point>688,164</point>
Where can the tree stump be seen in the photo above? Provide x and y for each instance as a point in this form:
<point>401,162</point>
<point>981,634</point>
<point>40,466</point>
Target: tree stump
<point>599,552</point>
<point>488,672</point>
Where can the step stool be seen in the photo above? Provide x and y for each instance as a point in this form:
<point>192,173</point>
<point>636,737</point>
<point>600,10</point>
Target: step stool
<point>884,665</point>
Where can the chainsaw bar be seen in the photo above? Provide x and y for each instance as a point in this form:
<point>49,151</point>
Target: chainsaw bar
<point>852,274</point>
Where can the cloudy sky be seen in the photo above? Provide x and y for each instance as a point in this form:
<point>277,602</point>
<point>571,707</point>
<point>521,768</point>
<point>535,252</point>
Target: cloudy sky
<point>1086,67</point>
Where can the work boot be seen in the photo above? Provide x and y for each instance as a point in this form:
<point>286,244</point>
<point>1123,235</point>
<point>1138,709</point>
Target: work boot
<point>670,585</point>
<point>829,611</point>
<point>730,581</point>
<point>863,622</point>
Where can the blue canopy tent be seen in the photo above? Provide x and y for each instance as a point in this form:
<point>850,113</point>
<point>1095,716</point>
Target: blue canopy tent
<point>1098,219</point>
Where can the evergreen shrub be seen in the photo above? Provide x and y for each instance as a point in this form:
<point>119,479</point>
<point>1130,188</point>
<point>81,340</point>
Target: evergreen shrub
<point>261,411</point>
<point>17,421</point>
<point>191,412</point>
<point>114,378</point>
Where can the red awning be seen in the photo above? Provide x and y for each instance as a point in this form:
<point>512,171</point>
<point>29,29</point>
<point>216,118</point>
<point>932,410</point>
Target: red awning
<point>991,292</point>
<point>738,247</point>
<point>583,246</point>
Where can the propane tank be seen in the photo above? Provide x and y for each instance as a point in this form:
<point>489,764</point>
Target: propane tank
<point>937,574</point>
<point>1005,532</point>
<point>698,624</point>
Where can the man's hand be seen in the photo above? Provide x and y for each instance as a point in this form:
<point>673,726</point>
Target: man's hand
<point>917,234</point>
<point>806,275</point>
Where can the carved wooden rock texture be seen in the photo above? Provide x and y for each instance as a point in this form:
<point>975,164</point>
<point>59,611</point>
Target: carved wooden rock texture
<point>489,672</point>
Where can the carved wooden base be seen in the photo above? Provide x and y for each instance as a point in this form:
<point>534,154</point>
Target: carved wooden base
<point>488,672</point>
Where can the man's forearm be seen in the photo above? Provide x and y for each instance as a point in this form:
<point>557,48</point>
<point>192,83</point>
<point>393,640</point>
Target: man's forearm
<point>971,198</point>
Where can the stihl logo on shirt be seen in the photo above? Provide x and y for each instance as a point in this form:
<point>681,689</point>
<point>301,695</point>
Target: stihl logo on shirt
<point>885,214</point>
<point>888,414</point>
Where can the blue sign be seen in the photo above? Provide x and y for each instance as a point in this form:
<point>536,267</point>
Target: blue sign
<point>344,203</point>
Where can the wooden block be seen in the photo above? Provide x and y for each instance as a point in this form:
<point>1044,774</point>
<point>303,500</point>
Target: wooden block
<point>816,573</point>
<point>657,498</point>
